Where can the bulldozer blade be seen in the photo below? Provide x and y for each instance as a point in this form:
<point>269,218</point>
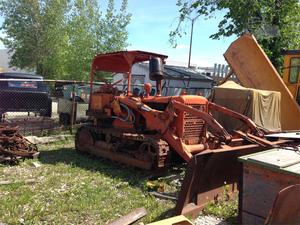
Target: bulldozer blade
<point>254,70</point>
<point>211,176</point>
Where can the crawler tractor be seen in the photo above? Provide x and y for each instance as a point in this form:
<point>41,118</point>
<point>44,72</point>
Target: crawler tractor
<point>144,131</point>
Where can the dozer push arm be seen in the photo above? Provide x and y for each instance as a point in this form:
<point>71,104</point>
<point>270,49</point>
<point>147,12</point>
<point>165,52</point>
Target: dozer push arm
<point>246,120</point>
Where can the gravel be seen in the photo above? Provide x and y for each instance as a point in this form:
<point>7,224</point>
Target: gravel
<point>210,220</point>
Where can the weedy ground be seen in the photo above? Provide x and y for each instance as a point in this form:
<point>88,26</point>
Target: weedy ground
<point>70,188</point>
<point>225,208</point>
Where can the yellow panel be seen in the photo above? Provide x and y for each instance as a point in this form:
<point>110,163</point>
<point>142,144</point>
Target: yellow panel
<point>254,70</point>
<point>293,87</point>
<point>176,220</point>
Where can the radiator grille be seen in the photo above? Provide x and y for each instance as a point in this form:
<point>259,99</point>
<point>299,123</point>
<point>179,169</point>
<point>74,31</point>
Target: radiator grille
<point>193,126</point>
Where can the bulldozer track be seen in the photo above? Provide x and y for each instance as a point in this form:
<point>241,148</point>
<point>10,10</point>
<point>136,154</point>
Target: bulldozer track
<point>139,150</point>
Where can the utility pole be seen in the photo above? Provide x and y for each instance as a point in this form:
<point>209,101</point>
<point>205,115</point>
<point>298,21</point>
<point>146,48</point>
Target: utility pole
<point>191,38</point>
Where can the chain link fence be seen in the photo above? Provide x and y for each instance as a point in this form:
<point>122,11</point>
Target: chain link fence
<point>40,106</point>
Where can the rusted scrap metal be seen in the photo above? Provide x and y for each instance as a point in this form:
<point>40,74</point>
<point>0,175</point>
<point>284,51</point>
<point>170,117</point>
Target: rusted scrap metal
<point>13,146</point>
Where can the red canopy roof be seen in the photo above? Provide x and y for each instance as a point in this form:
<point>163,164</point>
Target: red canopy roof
<point>121,62</point>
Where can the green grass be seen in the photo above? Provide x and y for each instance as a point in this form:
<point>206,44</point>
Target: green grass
<point>71,188</point>
<point>224,208</point>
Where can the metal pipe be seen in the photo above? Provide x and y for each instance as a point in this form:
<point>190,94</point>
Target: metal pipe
<point>191,39</point>
<point>73,109</point>
<point>129,83</point>
<point>196,148</point>
<point>158,88</point>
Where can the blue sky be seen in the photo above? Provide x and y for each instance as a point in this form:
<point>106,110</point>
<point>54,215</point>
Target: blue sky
<point>152,20</point>
<point>151,23</point>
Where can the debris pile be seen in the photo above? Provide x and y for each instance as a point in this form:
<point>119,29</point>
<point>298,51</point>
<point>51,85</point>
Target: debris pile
<point>14,147</point>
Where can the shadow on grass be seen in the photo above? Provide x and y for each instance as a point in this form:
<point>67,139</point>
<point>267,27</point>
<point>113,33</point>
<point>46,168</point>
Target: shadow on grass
<point>167,214</point>
<point>69,156</point>
<point>134,177</point>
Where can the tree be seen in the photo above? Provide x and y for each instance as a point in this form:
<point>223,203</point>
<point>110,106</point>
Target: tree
<point>275,23</point>
<point>92,31</point>
<point>34,34</point>
<point>115,33</point>
<point>59,38</point>
<point>82,23</point>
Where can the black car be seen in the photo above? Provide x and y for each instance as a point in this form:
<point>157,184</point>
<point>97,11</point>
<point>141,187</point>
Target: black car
<point>27,93</point>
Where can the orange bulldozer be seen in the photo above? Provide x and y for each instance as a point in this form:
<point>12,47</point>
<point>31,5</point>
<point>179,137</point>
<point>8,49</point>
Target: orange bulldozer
<point>147,131</point>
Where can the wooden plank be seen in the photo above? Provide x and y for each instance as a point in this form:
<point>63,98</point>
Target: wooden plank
<point>130,217</point>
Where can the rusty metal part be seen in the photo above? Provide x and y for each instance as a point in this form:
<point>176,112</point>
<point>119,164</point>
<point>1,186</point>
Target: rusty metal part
<point>250,124</point>
<point>153,150</point>
<point>14,147</point>
<point>83,138</point>
<point>194,127</point>
<point>254,139</point>
<point>8,130</point>
<point>138,150</point>
<point>208,172</point>
<point>286,207</point>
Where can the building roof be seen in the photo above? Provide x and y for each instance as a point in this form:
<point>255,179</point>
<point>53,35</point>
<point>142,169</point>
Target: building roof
<point>183,73</point>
